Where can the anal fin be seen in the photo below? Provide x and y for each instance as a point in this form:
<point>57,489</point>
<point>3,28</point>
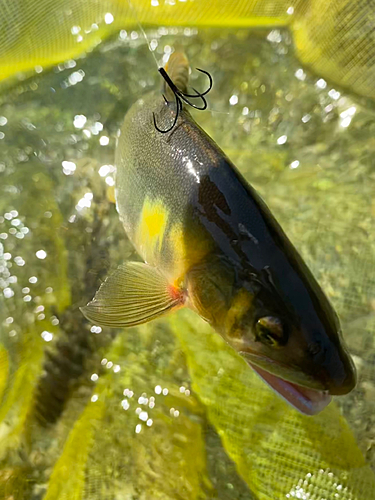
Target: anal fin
<point>134,294</point>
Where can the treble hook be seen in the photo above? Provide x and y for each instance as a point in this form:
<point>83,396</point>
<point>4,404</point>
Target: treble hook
<point>182,96</point>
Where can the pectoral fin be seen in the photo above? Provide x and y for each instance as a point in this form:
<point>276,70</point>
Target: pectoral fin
<point>135,293</point>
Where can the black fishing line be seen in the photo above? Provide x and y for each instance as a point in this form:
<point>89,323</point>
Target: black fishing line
<point>182,96</point>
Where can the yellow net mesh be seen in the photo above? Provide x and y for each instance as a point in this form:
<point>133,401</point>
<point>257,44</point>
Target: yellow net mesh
<point>334,38</point>
<point>95,450</point>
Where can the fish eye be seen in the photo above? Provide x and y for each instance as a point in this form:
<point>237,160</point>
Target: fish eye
<point>270,331</point>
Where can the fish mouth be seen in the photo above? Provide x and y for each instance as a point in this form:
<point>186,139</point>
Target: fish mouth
<point>307,400</point>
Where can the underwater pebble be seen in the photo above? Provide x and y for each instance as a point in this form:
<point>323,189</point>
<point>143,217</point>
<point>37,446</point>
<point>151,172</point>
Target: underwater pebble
<point>369,390</point>
<point>357,361</point>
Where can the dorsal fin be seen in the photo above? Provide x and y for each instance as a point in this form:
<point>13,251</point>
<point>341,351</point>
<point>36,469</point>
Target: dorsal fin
<point>177,68</point>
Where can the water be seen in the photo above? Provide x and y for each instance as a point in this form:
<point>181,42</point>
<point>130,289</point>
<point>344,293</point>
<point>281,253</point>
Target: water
<point>130,408</point>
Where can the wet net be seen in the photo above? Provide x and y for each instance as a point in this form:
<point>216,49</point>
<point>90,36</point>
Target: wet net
<point>168,411</point>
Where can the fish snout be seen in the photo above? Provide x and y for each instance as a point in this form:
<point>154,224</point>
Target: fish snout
<point>334,368</point>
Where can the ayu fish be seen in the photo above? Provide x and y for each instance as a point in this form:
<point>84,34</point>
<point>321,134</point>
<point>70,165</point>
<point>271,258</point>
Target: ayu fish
<point>210,243</point>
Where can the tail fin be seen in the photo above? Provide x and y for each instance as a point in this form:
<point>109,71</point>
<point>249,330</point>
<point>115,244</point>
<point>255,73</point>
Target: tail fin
<point>177,68</point>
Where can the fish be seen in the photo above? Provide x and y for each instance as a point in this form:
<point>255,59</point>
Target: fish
<point>209,242</point>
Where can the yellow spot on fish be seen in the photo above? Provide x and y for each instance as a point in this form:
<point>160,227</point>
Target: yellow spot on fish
<point>239,306</point>
<point>177,242</point>
<point>151,229</point>
<point>187,248</point>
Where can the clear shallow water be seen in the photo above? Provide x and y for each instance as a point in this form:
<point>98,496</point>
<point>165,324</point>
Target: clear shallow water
<point>309,151</point>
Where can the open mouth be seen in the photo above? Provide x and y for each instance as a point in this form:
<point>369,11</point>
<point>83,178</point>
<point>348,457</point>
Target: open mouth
<point>307,401</point>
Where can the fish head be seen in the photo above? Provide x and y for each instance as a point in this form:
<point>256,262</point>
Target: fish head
<point>283,325</point>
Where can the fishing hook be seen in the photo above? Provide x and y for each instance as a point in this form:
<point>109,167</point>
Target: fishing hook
<point>182,96</point>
